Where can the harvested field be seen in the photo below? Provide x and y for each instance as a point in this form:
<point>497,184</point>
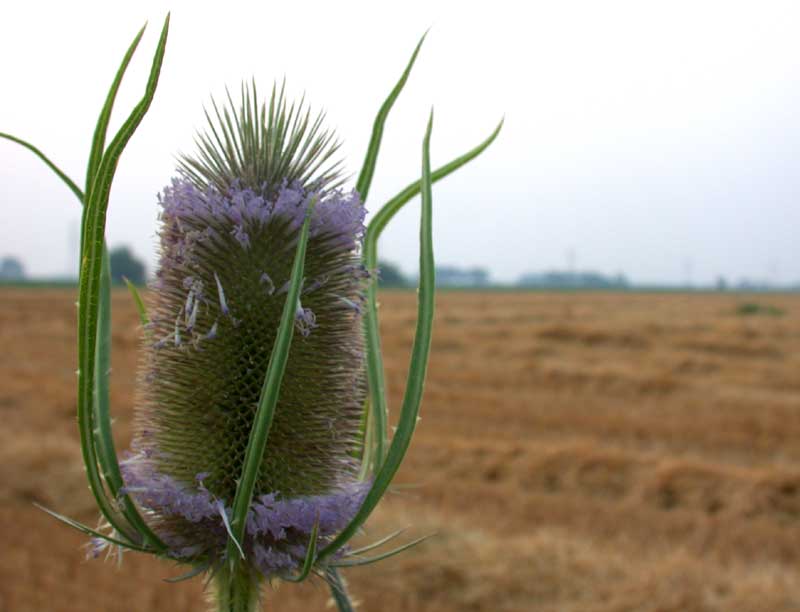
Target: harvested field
<point>578,452</point>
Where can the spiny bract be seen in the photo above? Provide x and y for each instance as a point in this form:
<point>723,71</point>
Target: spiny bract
<point>229,230</point>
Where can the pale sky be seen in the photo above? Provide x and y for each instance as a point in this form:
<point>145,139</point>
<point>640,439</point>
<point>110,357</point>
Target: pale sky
<point>658,139</point>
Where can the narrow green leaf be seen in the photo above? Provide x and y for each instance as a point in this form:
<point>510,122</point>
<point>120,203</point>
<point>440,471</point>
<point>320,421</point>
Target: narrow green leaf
<point>377,544</point>
<point>196,571</point>
<point>90,286</point>
<point>368,561</point>
<point>371,158</point>
<point>137,299</point>
<point>366,434</point>
<point>101,426</point>
<point>101,413</point>
<point>257,443</point>
<point>99,139</point>
<point>92,532</point>
<point>375,371</point>
<point>104,443</point>
<point>379,221</point>
<point>69,182</point>
<point>417,368</point>
<point>311,556</point>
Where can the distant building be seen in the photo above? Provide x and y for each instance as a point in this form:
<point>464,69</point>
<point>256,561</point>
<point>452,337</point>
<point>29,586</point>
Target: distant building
<point>11,269</point>
<point>572,280</point>
<point>747,284</point>
<point>449,276</point>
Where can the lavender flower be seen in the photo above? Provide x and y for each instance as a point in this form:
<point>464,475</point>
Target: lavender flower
<point>254,457</point>
<point>200,390</point>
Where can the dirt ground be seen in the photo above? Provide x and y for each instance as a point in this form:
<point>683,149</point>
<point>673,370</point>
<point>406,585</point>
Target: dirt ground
<point>578,452</point>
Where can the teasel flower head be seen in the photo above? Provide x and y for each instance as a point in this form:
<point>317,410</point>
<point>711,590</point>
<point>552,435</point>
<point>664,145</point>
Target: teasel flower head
<point>261,441</point>
<point>230,225</point>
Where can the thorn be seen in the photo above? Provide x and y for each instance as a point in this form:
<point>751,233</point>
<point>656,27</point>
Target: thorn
<point>222,303</point>
<point>212,333</point>
<point>270,285</point>
<point>193,316</point>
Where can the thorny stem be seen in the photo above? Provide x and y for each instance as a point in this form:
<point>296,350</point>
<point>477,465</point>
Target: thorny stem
<point>339,590</point>
<point>237,589</point>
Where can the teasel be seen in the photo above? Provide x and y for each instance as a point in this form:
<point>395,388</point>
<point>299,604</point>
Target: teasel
<point>261,441</point>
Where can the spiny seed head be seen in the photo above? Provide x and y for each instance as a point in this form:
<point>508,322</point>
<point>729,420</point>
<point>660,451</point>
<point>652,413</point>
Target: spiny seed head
<point>230,226</point>
<point>259,147</point>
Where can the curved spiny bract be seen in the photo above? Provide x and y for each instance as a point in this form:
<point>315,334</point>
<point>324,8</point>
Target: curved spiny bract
<point>220,289</point>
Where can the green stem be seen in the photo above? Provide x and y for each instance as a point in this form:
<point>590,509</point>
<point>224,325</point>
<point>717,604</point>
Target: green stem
<point>237,589</point>
<point>339,590</point>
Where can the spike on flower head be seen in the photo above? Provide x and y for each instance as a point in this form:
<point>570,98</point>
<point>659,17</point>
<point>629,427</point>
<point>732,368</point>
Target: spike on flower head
<point>230,225</point>
<point>262,147</point>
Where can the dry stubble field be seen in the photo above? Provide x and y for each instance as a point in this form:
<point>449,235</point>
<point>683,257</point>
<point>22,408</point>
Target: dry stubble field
<point>577,452</point>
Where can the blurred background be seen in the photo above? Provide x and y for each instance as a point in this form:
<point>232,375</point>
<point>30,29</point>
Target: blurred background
<point>612,414</point>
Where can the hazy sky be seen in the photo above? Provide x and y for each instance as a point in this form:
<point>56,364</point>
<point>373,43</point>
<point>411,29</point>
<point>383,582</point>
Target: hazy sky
<point>660,139</point>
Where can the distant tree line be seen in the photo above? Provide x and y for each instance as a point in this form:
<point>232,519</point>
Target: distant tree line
<point>124,264</point>
<point>11,269</point>
<point>389,275</point>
